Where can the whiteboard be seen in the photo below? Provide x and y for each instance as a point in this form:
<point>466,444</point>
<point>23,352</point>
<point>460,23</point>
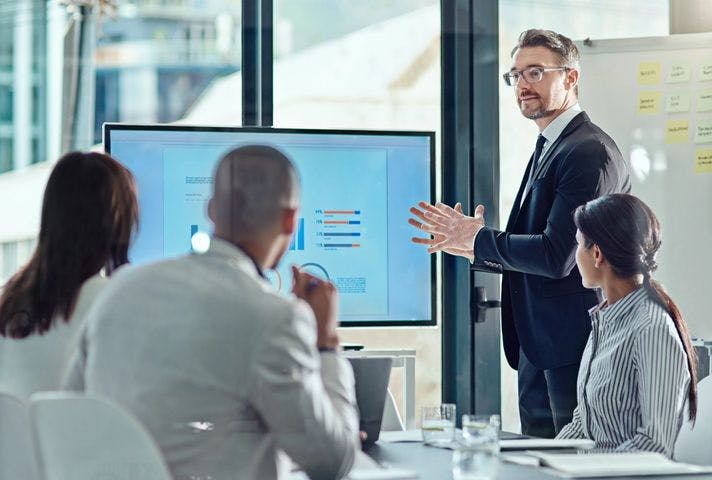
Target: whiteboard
<point>654,97</point>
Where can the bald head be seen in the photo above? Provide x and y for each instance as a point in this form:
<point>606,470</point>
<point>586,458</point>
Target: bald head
<point>254,185</point>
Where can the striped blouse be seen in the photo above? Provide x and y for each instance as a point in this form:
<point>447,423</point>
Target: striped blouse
<point>633,380</point>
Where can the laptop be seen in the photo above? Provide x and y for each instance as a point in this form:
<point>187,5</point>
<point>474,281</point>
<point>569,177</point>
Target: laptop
<point>372,375</point>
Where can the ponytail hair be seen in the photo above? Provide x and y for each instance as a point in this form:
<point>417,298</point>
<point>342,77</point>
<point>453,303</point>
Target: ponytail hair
<point>628,234</point>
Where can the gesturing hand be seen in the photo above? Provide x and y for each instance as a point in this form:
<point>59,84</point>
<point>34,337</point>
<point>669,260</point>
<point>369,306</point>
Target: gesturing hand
<point>452,231</point>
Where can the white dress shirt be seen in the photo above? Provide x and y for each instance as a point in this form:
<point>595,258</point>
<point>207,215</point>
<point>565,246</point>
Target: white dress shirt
<point>557,125</point>
<point>633,380</point>
<point>222,370</point>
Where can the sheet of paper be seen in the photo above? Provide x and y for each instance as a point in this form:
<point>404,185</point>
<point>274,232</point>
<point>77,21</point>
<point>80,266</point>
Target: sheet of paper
<point>614,464</point>
<point>649,73</point>
<point>703,132</point>
<point>677,102</point>
<point>366,468</point>
<point>706,71</point>
<point>648,103</point>
<point>703,161</point>
<point>406,436</point>
<point>704,101</point>
<point>677,131</point>
<point>545,443</point>
<point>679,72</point>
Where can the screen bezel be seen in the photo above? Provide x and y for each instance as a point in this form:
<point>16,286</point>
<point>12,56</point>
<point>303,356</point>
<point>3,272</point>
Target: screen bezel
<point>111,126</point>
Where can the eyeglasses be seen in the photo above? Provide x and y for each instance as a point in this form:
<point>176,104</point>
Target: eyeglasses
<point>531,74</point>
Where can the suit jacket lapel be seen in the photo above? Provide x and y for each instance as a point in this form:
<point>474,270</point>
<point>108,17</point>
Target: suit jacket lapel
<point>516,207</point>
<point>542,164</point>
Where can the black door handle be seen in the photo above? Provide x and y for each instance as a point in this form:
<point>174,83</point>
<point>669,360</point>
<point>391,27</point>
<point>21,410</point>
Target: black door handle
<point>479,304</point>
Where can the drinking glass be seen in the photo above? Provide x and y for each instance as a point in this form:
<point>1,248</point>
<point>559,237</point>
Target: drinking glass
<point>476,455</point>
<point>438,424</point>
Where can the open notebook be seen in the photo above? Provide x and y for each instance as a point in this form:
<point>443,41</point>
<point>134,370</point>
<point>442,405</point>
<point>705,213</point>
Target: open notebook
<point>587,465</point>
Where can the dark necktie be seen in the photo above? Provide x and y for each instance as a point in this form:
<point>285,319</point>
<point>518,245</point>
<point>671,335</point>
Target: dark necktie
<point>540,141</point>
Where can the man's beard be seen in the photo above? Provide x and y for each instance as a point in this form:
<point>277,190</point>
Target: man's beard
<point>538,113</point>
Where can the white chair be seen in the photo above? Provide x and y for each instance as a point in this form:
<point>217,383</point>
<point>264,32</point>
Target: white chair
<point>391,418</point>
<point>17,453</point>
<point>80,437</point>
<point>694,444</point>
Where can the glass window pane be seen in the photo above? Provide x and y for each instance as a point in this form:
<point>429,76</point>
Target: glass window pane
<point>364,65</point>
<point>156,59</point>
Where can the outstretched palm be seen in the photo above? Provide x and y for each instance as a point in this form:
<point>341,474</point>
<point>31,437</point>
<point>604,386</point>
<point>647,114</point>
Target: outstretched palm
<point>451,231</point>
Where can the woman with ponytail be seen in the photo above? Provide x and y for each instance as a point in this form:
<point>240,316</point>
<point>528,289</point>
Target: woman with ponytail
<point>638,368</point>
<point>89,213</point>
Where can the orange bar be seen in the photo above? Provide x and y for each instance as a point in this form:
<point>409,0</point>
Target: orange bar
<point>340,222</point>
<point>355,244</point>
<point>339,212</point>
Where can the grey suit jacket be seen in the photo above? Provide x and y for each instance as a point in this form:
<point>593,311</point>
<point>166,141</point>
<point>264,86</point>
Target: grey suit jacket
<point>221,369</point>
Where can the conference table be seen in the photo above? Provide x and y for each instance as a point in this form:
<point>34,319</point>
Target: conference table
<point>432,463</point>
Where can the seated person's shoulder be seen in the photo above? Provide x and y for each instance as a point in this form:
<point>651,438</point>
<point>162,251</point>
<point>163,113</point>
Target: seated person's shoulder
<point>650,316</point>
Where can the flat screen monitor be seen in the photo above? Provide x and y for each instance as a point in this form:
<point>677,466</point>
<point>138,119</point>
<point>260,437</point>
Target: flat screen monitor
<point>352,226</point>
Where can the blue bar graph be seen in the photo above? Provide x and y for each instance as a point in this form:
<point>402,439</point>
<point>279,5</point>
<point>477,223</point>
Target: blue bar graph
<point>193,231</point>
<point>354,222</point>
<point>342,234</point>
<point>298,238</point>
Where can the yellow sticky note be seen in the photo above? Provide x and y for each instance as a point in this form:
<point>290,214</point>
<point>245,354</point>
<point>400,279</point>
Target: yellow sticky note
<point>648,103</point>
<point>677,131</point>
<point>703,161</point>
<point>649,73</point>
<point>706,71</point>
<point>677,102</point>
<point>703,132</point>
<point>704,101</point>
<point>679,72</point>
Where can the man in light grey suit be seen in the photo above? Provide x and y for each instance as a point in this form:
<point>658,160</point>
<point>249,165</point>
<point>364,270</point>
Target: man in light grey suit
<point>228,375</point>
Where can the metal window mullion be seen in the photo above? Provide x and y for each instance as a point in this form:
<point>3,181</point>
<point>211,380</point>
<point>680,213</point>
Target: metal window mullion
<point>257,59</point>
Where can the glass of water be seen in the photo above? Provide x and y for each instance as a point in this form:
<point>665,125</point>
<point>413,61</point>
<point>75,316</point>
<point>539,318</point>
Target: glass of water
<point>476,455</point>
<point>438,424</point>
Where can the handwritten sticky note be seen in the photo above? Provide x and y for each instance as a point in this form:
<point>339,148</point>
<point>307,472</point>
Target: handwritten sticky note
<point>677,131</point>
<point>648,103</point>
<point>703,133</point>
<point>677,102</point>
<point>679,72</point>
<point>649,73</point>
<point>704,101</point>
<point>703,161</point>
<point>706,71</point>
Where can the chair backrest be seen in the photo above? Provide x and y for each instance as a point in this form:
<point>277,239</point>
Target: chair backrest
<point>694,444</point>
<point>392,421</point>
<point>17,453</point>
<point>80,437</point>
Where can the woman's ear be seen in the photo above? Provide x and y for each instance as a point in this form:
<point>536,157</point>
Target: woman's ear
<point>598,258</point>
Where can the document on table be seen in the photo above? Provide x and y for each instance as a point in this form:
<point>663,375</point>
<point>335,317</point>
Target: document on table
<point>587,465</point>
<point>545,443</point>
<point>365,468</point>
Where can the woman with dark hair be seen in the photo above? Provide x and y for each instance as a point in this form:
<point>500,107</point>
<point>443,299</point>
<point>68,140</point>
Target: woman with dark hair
<point>639,368</point>
<point>89,213</point>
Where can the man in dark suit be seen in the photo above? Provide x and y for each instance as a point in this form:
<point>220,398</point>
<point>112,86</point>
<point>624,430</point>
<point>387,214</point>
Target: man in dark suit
<point>545,322</point>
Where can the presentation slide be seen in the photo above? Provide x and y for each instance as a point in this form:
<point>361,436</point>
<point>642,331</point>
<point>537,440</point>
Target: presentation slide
<point>352,223</point>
